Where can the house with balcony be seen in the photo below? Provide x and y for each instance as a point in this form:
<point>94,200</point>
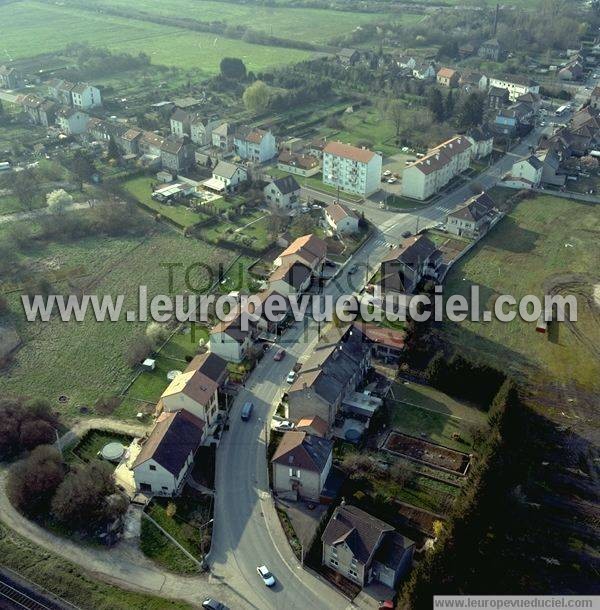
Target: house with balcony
<point>352,169</point>
<point>428,175</point>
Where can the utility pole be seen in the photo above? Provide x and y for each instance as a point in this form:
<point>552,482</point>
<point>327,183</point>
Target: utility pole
<point>58,443</point>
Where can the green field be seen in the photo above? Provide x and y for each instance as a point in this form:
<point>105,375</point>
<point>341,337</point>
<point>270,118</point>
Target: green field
<point>141,189</point>
<point>85,360</point>
<point>545,242</point>
<point>417,410</point>
<point>305,24</point>
<point>41,28</point>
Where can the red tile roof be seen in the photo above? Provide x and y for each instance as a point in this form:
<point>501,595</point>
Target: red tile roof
<point>339,149</point>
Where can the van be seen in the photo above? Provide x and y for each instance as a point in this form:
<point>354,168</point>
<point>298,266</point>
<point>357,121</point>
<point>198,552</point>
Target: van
<point>247,411</point>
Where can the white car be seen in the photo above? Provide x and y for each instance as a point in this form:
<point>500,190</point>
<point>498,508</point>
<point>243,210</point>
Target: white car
<point>291,377</point>
<point>387,172</point>
<point>391,180</point>
<point>267,577</point>
<point>285,425</point>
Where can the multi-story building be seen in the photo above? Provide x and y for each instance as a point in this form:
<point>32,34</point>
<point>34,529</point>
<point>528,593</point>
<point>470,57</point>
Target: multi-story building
<point>354,170</point>
<point>431,173</point>
<point>71,121</point>
<point>85,96</point>
<point>516,85</point>
<point>255,145</point>
<point>473,218</point>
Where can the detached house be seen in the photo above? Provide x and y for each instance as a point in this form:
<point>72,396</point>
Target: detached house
<point>293,277</point>
<point>301,465</point>
<point>175,153</point>
<point>229,341</point>
<point>256,145</point>
<point>299,164</point>
<point>71,121</point>
<point>474,218</point>
<point>424,70</point>
<point>406,265</point>
<point>308,250</point>
<point>197,389</point>
<point>166,456</point>
<point>473,80</point>
<point>447,77</point>
<point>341,219</point>
<point>283,193</point>
<point>332,372</point>
<point>482,141</point>
<point>525,174</point>
<point>226,177</point>
<point>365,549</point>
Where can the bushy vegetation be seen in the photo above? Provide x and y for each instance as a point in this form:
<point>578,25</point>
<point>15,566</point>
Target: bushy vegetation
<point>25,424</point>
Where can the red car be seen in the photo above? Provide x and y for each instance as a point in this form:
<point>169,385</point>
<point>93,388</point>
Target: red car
<point>279,355</point>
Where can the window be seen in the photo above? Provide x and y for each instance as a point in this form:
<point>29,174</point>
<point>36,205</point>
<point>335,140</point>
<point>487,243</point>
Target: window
<point>295,472</point>
<point>333,562</point>
<point>353,573</point>
<point>333,551</point>
<point>152,467</point>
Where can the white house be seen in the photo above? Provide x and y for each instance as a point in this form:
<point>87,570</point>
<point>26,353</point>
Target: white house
<point>226,177</point>
<point>229,341</point>
<point>301,465</point>
<point>166,456</point>
<point>473,218</point>
<point>516,86</point>
<point>426,176</point>
<point>424,70</point>
<point>341,219</point>
<point>196,389</point>
<point>85,96</point>
<point>308,250</point>
<point>283,192</point>
<point>525,173</point>
<point>255,145</point>
<point>293,277</point>
<point>71,121</point>
<point>482,142</point>
<point>354,170</point>
<point>222,137</point>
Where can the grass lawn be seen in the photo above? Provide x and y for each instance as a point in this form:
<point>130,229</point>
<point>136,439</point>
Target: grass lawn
<point>546,242</point>
<point>39,28</point>
<point>70,581</point>
<point>94,441</point>
<point>85,360</point>
<point>250,230</point>
<point>141,189</point>
<point>402,203</point>
<point>150,385</point>
<point>239,278</point>
<point>421,410</point>
<point>182,518</point>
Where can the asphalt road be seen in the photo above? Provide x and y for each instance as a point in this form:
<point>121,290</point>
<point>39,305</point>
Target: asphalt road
<point>246,531</point>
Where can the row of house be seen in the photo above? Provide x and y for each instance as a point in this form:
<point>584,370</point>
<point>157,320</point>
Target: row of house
<point>82,96</point>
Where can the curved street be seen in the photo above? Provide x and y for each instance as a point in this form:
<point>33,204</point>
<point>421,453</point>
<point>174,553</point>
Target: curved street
<point>247,531</point>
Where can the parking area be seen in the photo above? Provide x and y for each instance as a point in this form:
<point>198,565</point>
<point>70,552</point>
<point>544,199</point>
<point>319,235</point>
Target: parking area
<point>393,167</point>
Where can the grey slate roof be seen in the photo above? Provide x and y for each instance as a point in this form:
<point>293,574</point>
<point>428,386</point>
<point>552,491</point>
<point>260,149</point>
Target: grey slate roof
<point>286,185</point>
<point>225,169</point>
<point>357,528</point>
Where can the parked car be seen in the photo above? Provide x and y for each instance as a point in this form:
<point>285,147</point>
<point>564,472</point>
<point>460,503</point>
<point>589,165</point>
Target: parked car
<point>267,577</point>
<point>291,377</point>
<point>279,355</point>
<point>391,180</point>
<point>353,269</point>
<point>387,172</point>
<point>406,234</point>
<point>213,604</point>
<point>285,425</point>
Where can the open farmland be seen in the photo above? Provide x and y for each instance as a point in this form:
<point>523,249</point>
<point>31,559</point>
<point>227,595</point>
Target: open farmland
<point>546,245</point>
<point>304,24</point>
<point>84,360</point>
<point>40,28</point>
